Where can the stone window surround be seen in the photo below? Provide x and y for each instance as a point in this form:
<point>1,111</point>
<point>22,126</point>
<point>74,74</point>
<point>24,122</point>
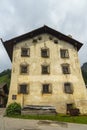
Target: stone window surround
<point>45,52</point>
<point>45,69</point>
<point>68,88</point>
<point>26,53</point>
<point>23,90</point>
<point>65,68</point>
<point>64,53</point>
<point>26,69</point>
<point>46,88</point>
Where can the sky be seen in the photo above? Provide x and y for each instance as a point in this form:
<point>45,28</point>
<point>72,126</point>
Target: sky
<point>21,16</point>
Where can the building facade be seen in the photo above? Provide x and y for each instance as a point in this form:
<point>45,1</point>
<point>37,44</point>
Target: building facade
<point>46,70</point>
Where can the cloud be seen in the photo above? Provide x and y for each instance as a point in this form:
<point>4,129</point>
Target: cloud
<point>21,16</point>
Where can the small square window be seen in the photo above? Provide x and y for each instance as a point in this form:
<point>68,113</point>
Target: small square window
<point>45,53</point>
<point>68,88</point>
<point>25,52</point>
<point>65,69</point>
<point>64,53</point>
<point>45,69</point>
<point>14,97</point>
<point>23,89</point>
<point>46,88</point>
<point>34,40</point>
<point>24,69</point>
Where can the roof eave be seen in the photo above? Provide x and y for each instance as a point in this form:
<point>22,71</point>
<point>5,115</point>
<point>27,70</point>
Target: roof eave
<point>44,29</point>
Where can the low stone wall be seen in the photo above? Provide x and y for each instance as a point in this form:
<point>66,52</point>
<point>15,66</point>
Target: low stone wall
<point>38,110</point>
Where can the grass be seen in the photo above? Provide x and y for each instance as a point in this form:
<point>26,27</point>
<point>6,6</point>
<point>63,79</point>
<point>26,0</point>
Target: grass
<point>59,117</point>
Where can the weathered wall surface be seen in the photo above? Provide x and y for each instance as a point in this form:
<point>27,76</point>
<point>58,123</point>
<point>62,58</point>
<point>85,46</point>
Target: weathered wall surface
<point>35,79</point>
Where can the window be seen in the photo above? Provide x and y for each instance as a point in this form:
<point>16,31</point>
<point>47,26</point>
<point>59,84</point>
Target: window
<point>55,41</point>
<point>23,69</point>
<point>69,107</point>
<point>23,89</point>
<point>25,52</point>
<point>14,97</point>
<point>46,88</point>
<point>64,53</point>
<point>34,40</point>
<point>45,69</point>
<point>45,52</point>
<point>68,88</point>
<point>65,69</point>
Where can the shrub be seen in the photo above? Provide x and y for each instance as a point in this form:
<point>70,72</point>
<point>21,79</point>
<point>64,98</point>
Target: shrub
<point>13,109</point>
<point>74,112</point>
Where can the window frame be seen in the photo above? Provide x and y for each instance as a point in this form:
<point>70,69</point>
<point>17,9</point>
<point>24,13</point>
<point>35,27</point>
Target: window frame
<point>26,54</point>
<point>46,88</point>
<point>45,70</point>
<point>64,53</point>
<point>20,88</point>
<point>45,54</point>
<point>68,88</point>
<point>66,69</point>
<point>23,71</point>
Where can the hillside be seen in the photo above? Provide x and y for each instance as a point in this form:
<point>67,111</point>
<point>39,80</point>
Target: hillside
<point>84,72</point>
<point>5,77</point>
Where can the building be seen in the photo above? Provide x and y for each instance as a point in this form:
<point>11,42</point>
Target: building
<point>3,94</point>
<point>46,70</point>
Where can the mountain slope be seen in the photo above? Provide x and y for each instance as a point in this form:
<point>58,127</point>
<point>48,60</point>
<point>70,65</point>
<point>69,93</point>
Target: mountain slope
<point>84,72</point>
<point>5,77</point>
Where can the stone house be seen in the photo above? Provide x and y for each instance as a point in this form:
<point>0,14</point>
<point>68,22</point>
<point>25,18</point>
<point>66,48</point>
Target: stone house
<point>46,70</point>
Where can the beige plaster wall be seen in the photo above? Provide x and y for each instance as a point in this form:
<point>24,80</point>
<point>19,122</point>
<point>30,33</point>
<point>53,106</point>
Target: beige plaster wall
<point>35,79</point>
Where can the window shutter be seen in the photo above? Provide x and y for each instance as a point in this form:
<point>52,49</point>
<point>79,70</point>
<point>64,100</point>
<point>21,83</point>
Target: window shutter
<point>50,88</point>
<point>47,52</point>
<point>66,54</point>
<point>48,69</point>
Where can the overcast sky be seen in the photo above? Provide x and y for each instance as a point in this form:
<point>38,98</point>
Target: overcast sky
<point>21,16</point>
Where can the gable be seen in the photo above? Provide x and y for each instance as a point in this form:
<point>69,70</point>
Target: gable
<point>45,29</point>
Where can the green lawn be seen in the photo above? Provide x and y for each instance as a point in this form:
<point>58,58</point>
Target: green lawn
<point>59,117</point>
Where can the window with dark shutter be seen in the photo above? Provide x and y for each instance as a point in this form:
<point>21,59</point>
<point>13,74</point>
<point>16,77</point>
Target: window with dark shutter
<point>68,88</point>
<point>65,68</point>
<point>45,69</point>
<point>23,89</point>
<point>25,52</point>
<point>64,53</point>
<point>23,69</point>
<point>46,88</point>
<point>45,52</point>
